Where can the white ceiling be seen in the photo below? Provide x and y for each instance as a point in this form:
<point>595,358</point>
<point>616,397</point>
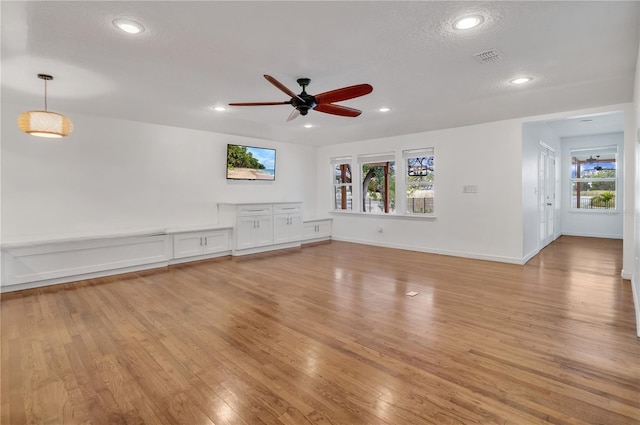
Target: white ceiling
<point>195,55</point>
<point>584,125</point>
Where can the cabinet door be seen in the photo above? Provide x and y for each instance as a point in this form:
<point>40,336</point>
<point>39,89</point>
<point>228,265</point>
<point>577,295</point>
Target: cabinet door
<point>246,228</point>
<point>323,229</point>
<point>215,241</point>
<point>295,227</point>
<point>309,230</point>
<point>287,228</point>
<point>187,245</point>
<point>263,232</point>
<point>317,229</point>
<point>281,228</point>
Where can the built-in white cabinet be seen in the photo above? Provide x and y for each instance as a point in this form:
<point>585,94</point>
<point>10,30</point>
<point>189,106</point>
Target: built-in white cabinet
<point>316,230</point>
<point>201,243</point>
<point>287,223</point>
<point>254,231</point>
<point>263,227</point>
<point>242,229</point>
<point>33,263</point>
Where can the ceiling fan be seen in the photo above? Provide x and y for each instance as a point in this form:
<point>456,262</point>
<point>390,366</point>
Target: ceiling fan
<point>323,102</point>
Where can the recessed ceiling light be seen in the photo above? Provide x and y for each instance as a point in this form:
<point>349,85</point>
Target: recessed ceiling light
<point>219,108</point>
<point>308,125</point>
<point>521,80</point>
<point>468,22</point>
<point>384,109</point>
<point>128,26</point>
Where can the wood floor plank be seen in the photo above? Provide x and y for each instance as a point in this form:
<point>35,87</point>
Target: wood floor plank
<point>325,335</point>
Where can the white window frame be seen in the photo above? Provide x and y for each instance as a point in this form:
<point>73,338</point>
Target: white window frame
<point>594,152</point>
<point>372,159</point>
<point>416,153</point>
<point>341,160</point>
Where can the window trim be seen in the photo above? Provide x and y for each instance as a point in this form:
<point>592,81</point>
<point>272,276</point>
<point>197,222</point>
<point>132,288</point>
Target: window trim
<point>417,153</point>
<point>377,159</point>
<point>342,160</point>
<point>572,180</point>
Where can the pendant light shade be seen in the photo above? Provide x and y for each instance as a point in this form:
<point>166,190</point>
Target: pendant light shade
<point>45,123</point>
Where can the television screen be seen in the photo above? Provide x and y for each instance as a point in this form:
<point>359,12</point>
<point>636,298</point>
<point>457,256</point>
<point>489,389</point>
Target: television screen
<point>250,163</point>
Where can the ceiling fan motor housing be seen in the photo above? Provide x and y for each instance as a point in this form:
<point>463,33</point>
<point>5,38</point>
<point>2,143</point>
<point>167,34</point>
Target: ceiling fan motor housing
<point>303,102</point>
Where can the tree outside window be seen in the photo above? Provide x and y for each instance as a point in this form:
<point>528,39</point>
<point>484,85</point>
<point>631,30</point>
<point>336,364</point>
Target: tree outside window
<point>593,178</point>
<point>378,182</point>
<point>342,183</point>
<point>419,181</point>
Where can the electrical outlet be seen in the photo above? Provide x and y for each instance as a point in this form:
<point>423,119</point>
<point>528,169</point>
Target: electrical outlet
<point>380,229</point>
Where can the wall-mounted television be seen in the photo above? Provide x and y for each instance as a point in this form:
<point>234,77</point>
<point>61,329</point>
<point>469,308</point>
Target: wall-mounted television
<point>250,163</point>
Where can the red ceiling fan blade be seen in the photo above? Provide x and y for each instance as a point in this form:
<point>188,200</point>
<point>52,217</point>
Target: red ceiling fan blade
<point>328,108</point>
<point>344,93</point>
<point>259,103</point>
<point>280,86</point>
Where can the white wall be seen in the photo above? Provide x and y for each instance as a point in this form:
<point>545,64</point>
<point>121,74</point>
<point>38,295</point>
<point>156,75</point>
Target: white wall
<point>497,223</point>
<point>487,224</point>
<point>532,135</point>
<point>113,175</point>
<point>601,224</point>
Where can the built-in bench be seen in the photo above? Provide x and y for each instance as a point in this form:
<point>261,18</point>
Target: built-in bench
<point>29,262</point>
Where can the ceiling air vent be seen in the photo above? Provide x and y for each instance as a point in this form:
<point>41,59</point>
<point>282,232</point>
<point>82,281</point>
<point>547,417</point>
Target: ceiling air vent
<point>487,57</point>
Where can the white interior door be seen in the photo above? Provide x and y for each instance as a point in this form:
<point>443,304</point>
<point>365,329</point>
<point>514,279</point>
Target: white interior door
<point>546,193</point>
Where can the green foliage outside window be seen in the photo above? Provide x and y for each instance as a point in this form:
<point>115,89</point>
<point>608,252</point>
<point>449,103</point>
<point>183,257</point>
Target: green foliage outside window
<point>373,185</point>
<point>603,200</point>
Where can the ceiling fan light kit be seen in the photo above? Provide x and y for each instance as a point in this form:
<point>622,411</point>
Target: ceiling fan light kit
<point>45,123</point>
<point>323,102</point>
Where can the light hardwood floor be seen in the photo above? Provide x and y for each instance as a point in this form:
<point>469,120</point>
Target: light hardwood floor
<point>326,335</point>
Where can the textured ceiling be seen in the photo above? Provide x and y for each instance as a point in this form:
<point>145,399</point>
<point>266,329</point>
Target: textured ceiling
<point>194,55</point>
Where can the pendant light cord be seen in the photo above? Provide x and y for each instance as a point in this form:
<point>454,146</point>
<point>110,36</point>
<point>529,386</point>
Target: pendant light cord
<point>45,94</point>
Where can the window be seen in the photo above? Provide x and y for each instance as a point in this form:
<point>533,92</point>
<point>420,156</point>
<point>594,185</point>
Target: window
<point>342,183</point>
<point>419,180</point>
<point>594,178</point>
<point>378,182</point>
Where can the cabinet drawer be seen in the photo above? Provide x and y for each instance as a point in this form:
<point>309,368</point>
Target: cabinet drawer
<point>287,209</point>
<point>251,210</point>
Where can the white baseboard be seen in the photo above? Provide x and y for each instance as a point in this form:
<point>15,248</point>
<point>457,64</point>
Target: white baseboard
<point>198,258</point>
<point>530,255</point>
<point>593,235</point>
<point>462,254</point>
<point>266,248</point>
<point>314,240</point>
<point>635,290</point>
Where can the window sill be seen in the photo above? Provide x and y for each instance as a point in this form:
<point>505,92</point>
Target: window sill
<point>396,216</point>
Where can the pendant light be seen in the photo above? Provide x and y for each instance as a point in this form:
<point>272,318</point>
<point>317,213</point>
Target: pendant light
<point>45,123</point>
